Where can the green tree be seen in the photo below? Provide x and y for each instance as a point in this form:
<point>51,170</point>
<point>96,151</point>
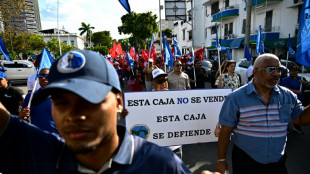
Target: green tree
<point>104,50</point>
<point>53,47</point>
<point>167,32</point>
<point>23,43</point>
<point>86,28</point>
<point>139,26</point>
<point>102,38</point>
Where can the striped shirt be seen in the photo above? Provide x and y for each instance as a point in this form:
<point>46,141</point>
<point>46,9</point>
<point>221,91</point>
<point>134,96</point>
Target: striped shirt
<point>260,129</point>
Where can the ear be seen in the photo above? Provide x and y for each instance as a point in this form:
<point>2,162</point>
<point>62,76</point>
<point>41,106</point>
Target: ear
<point>119,100</point>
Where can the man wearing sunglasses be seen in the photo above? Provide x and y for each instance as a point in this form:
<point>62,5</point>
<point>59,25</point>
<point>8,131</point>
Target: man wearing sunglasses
<point>177,79</point>
<point>160,83</point>
<point>40,115</point>
<point>258,114</point>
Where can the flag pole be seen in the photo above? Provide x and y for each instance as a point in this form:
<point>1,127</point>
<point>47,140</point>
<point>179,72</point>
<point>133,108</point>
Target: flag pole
<point>287,53</point>
<point>302,76</point>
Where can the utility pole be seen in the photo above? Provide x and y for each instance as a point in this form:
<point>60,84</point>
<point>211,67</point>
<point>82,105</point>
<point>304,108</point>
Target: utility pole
<point>192,11</point>
<point>248,23</point>
<point>160,33</point>
<point>58,28</point>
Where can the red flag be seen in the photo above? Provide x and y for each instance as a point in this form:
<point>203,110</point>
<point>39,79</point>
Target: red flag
<point>153,53</point>
<point>112,52</point>
<point>119,49</point>
<point>132,52</point>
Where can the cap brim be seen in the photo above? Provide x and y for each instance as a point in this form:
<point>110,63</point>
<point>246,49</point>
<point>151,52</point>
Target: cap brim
<point>92,91</point>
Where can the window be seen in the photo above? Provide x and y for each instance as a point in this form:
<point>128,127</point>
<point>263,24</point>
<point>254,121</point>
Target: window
<point>243,26</point>
<point>206,33</point>
<point>213,30</point>
<point>183,34</point>
<point>268,22</point>
<point>206,11</point>
<point>190,35</point>
<point>226,31</point>
<point>231,26</point>
<point>189,15</point>
<point>72,42</point>
<point>226,3</point>
<point>215,8</point>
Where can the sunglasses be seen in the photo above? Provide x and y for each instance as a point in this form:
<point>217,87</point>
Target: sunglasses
<point>42,75</point>
<point>178,65</point>
<point>272,69</point>
<point>161,81</point>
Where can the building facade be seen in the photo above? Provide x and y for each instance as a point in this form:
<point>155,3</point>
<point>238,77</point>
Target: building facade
<point>64,36</point>
<point>278,19</point>
<point>29,20</point>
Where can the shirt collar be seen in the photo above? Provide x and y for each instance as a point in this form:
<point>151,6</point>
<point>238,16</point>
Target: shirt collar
<point>251,88</point>
<point>124,155</point>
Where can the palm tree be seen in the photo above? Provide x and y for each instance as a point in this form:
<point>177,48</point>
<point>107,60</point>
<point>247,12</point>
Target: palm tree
<point>86,29</point>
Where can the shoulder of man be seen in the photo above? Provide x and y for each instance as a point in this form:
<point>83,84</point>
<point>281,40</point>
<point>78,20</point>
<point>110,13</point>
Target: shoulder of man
<point>162,157</point>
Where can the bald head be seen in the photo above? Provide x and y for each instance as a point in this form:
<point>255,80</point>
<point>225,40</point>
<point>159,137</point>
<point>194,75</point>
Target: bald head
<point>264,59</point>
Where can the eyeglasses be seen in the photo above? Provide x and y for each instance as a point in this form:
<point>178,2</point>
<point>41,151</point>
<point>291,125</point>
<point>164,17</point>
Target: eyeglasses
<point>272,69</point>
<point>161,81</point>
<point>178,65</point>
<point>42,75</point>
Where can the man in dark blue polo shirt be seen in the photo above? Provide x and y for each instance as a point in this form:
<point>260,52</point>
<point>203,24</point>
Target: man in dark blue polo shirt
<point>86,97</point>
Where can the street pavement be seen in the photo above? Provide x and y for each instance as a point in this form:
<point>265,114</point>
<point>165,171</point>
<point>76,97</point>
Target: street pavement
<point>200,157</point>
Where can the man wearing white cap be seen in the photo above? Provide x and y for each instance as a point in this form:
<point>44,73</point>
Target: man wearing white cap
<point>147,71</point>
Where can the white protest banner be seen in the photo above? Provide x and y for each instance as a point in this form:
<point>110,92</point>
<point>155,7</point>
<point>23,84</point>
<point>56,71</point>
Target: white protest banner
<point>174,117</point>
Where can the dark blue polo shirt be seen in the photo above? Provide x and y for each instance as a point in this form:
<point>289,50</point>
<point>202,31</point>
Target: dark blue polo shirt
<point>27,149</point>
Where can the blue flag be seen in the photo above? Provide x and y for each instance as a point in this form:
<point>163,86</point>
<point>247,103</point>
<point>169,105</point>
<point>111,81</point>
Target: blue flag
<point>177,51</point>
<point>217,44</point>
<point>247,53</point>
<point>303,40</point>
<point>4,51</point>
<point>126,5</point>
<point>129,60</point>
<point>168,56</point>
<point>193,53</point>
<point>228,54</point>
<point>46,60</point>
<point>259,42</point>
<point>289,47</point>
<point>152,40</point>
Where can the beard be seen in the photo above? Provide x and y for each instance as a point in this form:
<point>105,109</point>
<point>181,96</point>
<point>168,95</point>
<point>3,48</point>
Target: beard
<point>84,149</point>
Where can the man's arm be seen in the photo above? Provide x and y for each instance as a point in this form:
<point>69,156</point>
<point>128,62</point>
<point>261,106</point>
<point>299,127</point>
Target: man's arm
<point>4,117</point>
<point>221,164</point>
<point>304,118</point>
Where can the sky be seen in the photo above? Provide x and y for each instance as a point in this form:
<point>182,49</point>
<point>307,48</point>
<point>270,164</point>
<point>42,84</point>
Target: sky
<point>101,14</point>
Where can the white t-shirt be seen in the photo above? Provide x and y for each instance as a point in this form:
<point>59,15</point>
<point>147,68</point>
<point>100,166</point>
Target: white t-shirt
<point>30,82</point>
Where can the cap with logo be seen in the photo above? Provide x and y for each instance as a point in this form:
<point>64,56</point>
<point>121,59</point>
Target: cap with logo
<point>158,72</point>
<point>83,72</point>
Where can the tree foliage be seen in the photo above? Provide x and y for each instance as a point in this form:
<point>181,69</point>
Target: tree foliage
<point>53,47</point>
<point>167,32</point>
<point>104,50</point>
<point>139,26</point>
<point>86,28</point>
<point>102,38</point>
<point>23,43</point>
